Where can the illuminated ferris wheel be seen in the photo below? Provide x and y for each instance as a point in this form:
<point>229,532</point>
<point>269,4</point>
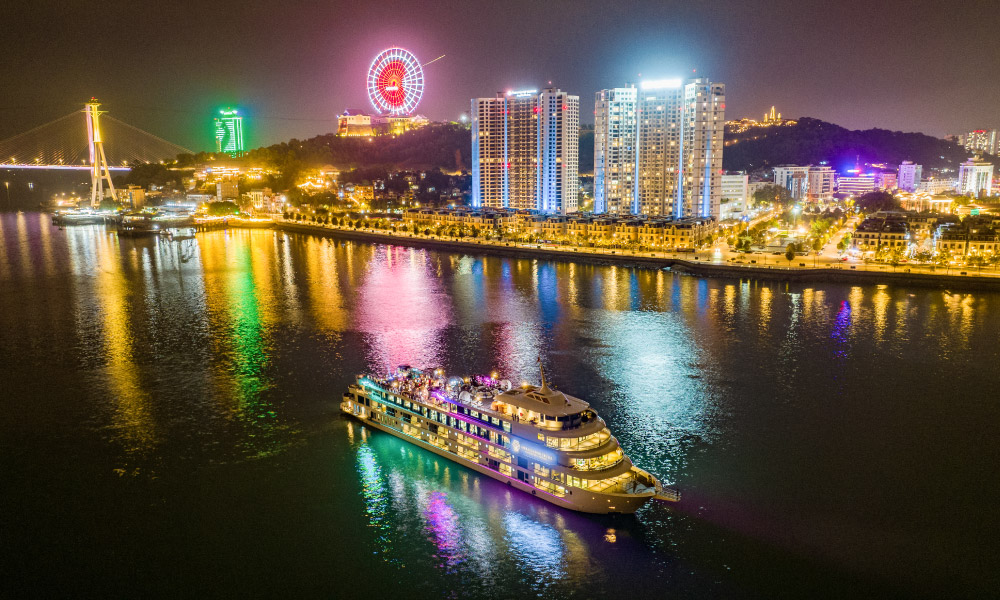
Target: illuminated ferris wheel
<point>395,82</point>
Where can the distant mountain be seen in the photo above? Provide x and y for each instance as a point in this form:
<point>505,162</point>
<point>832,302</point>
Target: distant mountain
<point>811,141</point>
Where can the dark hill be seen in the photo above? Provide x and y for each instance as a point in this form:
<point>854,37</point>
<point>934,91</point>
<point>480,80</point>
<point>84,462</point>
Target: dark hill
<point>439,145</point>
<point>812,141</point>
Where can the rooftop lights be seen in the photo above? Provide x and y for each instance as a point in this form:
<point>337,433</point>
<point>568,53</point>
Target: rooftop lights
<point>655,84</point>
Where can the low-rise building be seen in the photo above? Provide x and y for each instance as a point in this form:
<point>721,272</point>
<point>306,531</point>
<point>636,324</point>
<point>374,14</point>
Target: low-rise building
<point>875,233</point>
<point>856,185</point>
<point>735,196</point>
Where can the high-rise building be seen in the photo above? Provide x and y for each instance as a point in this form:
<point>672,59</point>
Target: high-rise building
<point>615,120</point>
<point>229,132</point>
<point>525,151</point>
<point>908,176</point>
<point>982,141</point>
<point>489,152</point>
<point>678,148</point>
<point>975,178</point>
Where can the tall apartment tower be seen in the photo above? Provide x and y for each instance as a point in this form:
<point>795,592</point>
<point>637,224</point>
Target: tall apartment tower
<point>489,151</point>
<point>525,151</point>
<point>678,148</point>
<point>615,122</point>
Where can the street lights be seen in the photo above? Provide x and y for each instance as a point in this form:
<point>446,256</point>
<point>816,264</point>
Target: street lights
<point>7,185</point>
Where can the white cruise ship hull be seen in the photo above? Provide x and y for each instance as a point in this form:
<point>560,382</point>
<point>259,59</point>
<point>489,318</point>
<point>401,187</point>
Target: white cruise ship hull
<point>574,499</point>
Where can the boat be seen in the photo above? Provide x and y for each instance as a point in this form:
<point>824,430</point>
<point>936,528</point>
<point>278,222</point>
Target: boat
<point>83,216</point>
<point>533,438</point>
<point>137,225</point>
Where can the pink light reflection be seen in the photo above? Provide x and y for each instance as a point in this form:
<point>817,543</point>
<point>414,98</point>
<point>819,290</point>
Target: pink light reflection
<point>402,310</point>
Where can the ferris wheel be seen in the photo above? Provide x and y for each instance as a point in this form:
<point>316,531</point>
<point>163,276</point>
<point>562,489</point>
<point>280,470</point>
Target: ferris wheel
<point>395,82</point>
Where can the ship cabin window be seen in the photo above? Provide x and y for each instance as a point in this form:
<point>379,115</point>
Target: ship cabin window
<point>541,436</point>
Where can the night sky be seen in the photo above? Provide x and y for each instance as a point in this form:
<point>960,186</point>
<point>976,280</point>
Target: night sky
<point>292,66</point>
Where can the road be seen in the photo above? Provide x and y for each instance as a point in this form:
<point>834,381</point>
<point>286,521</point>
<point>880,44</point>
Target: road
<point>828,258</point>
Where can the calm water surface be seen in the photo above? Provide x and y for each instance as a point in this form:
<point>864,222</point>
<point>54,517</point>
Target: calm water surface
<point>170,425</point>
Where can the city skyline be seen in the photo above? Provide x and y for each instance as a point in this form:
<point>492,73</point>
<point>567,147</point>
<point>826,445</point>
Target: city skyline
<point>857,66</point>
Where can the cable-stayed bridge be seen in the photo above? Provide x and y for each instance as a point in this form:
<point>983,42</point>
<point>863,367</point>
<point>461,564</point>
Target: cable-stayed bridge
<point>65,143</point>
<point>83,140</point>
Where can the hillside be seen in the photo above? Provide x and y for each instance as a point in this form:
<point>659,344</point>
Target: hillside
<point>448,147</point>
<point>445,146</point>
<point>813,141</point>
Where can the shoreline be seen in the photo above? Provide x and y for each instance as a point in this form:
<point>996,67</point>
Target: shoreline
<point>694,267</point>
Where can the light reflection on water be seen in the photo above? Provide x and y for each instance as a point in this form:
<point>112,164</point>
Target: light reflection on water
<point>797,420</point>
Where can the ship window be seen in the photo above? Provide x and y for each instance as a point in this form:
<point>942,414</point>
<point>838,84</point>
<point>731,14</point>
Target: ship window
<point>552,442</point>
<point>541,437</point>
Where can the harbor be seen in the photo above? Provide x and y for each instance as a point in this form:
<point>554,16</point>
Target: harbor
<point>181,404</point>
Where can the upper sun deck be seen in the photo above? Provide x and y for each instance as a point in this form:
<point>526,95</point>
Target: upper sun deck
<point>544,401</point>
<point>541,406</point>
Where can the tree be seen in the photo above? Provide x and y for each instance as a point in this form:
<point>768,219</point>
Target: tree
<point>817,244</point>
<point>776,194</point>
<point>222,209</point>
<point>876,201</point>
<point>109,204</point>
<point>790,253</point>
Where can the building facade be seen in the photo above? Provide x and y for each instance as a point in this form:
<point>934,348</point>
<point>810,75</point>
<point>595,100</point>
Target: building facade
<point>975,178</point>
<point>982,141</point>
<point>820,183</point>
<point>793,178</point>
<point>615,120</point>
<point>229,132</point>
<point>908,176</point>
<point>735,196</point>
<point>856,185</point>
<point>133,196</point>
<point>677,149</point>
<point>525,151</point>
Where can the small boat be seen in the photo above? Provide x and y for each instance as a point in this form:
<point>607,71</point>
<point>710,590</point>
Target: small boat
<point>137,225</point>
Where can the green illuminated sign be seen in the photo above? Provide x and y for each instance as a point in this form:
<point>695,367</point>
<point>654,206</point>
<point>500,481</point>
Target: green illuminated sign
<point>229,132</point>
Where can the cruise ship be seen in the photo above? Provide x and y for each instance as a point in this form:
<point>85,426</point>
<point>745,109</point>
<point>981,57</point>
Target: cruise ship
<point>535,439</point>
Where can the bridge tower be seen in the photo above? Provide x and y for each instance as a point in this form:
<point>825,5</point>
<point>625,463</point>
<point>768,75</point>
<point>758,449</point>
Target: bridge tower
<point>99,171</point>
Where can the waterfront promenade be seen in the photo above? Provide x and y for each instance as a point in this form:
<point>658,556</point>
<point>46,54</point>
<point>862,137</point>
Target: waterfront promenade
<point>707,263</point>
